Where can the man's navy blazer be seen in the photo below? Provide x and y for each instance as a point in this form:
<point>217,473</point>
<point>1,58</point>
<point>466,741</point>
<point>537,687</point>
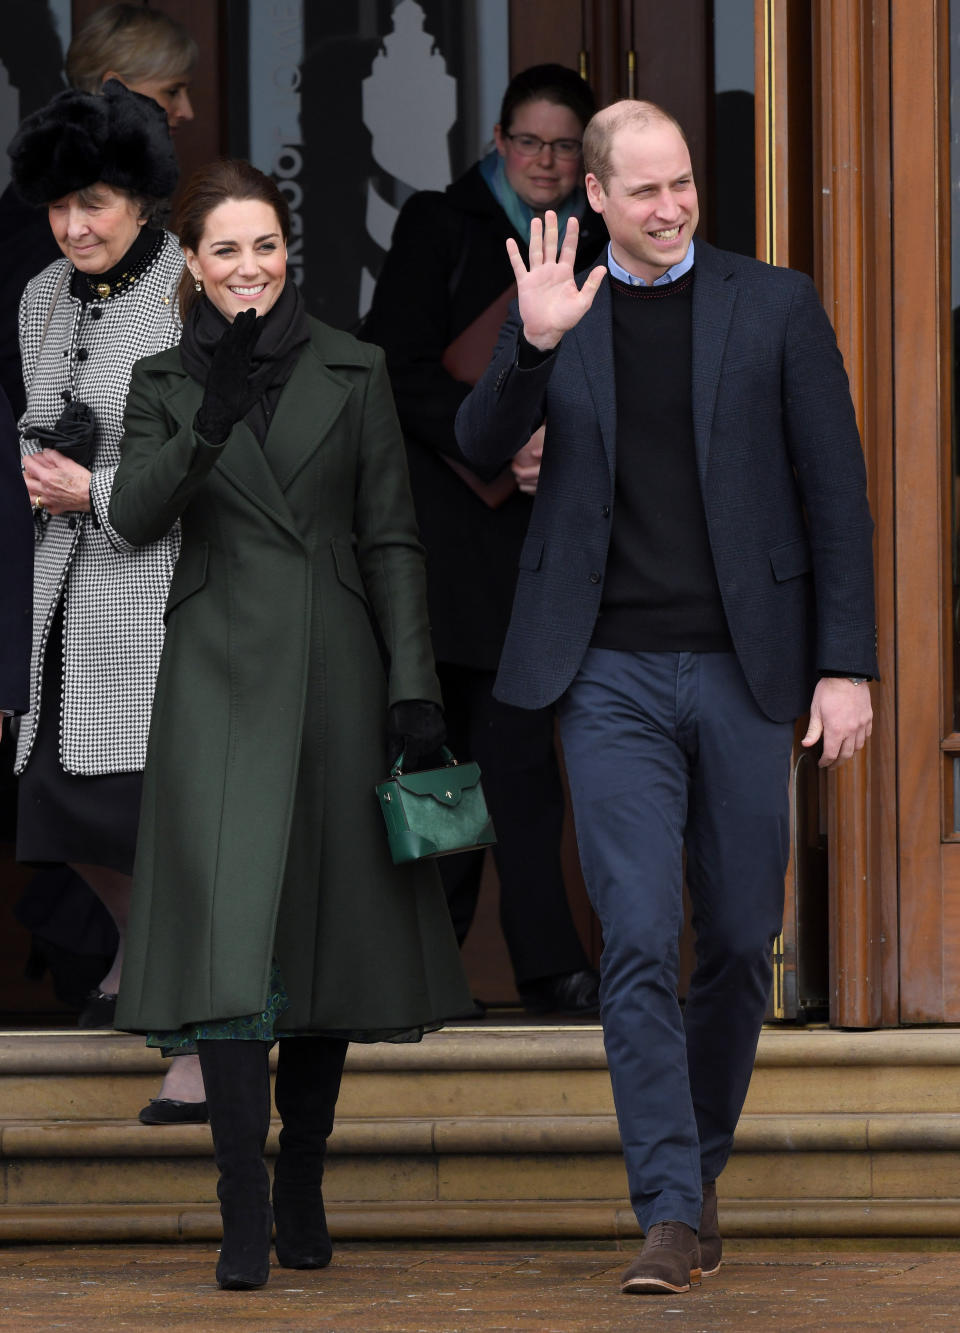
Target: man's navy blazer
<point>16,570</point>
<point>781,474</point>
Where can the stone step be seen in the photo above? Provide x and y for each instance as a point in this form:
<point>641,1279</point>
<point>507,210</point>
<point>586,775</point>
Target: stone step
<point>488,1135</point>
<point>565,1157</point>
<point>523,1071</point>
<point>494,1220</point>
<point>493,1133</point>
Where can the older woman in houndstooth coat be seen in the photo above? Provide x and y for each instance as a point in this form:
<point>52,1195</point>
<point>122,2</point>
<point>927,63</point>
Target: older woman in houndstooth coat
<point>102,165</point>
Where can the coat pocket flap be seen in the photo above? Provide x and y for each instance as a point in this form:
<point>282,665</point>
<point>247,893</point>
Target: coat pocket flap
<point>531,556</point>
<point>345,560</point>
<point>189,575</point>
<point>791,560</point>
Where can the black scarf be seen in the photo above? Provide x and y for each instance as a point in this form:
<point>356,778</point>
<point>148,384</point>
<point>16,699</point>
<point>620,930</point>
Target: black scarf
<point>285,330</point>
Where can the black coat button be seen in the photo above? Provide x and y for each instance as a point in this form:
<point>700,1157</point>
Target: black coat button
<point>66,395</point>
<point>96,312</point>
<point>82,354</point>
<point>594,577</point>
<point>605,511</point>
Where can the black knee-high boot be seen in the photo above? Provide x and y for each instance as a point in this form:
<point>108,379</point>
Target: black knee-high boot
<point>236,1076</point>
<point>308,1082</point>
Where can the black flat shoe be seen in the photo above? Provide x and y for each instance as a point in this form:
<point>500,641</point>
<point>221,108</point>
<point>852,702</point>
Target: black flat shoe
<point>168,1111</point>
<point>98,1011</point>
<point>576,993</point>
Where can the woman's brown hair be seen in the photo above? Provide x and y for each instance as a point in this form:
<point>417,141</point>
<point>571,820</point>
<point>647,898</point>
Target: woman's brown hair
<point>213,185</point>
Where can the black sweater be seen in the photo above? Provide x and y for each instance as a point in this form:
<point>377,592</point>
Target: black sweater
<point>660,590</point>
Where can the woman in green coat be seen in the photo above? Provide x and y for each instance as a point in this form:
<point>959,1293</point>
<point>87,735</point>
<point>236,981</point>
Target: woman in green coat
<point>297,653</point>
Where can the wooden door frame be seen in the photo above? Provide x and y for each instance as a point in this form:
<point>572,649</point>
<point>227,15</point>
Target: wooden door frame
<point>926,738</point>
<point>839,184</point>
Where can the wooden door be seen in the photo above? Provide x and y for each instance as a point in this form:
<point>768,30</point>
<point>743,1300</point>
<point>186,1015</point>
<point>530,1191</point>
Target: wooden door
<point>927,732</point>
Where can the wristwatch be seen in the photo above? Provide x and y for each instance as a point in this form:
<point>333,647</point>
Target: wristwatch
<point>858,680</point>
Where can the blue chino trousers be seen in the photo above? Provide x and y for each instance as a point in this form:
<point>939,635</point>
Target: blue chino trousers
<point>667,752</point>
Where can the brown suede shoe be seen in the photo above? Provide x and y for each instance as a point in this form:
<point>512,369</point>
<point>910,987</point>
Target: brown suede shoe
<point>711,1242</point>
<point>669,1261</point>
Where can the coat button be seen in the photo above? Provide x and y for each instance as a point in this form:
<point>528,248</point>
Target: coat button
<point>82,354</point>
<point>594,577</point>
<point>96,312</point>
<point>605,511</point>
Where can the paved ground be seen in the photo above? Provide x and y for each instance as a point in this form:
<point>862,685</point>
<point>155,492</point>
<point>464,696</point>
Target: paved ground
<point>474,1289</point>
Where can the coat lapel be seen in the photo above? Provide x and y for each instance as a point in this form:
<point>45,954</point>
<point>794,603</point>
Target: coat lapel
<point>594,339</point>
<point>714,296</point>
<point>242,462</point>
<point>310,403</point>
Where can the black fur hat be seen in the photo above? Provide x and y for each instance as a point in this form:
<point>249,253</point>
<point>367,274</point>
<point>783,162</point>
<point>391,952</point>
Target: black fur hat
<point>114,136</point>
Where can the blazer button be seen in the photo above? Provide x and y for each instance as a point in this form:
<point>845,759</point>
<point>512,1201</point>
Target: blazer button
<point>82,354</point>
<point>594,577</point>
<point>605,511</point>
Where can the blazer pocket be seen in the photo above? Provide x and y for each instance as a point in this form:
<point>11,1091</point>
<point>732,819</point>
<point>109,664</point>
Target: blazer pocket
<point>345,561</point>
<point>791,560</point>
<point>189,576</point>
<point>531,554</point>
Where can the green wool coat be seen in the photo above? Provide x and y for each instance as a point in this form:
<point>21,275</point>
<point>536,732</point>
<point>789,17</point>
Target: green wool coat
<point>300,576</point>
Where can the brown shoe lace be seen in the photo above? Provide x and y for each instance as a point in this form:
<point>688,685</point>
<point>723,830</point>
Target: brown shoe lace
<point>669,1235</point>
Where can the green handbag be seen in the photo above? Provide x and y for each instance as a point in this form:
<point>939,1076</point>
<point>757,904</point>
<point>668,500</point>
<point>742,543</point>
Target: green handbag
<point>434,812</point>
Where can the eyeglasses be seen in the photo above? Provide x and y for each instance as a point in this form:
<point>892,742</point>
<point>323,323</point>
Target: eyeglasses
<point>528,145</point>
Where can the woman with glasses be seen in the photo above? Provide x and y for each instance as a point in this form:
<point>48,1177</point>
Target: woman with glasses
<point>442,294</point>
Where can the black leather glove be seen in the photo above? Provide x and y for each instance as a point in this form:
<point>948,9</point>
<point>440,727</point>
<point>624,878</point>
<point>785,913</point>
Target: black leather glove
<point>226,396</point>
<point>415,728</point>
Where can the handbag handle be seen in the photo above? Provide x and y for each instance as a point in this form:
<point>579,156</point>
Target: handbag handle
<point>53,305</point>
<point>449,761</point>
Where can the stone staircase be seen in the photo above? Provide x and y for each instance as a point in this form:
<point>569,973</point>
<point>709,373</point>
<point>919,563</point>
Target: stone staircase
<point>493,1133</point>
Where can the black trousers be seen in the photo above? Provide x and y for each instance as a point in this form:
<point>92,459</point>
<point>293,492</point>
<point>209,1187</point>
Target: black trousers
<point>521,779</point>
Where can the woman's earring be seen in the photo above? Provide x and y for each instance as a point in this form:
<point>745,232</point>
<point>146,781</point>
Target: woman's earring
<point>197,283</point>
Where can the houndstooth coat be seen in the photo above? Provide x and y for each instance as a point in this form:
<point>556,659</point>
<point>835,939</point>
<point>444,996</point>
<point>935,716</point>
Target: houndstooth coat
<point>114,593</point>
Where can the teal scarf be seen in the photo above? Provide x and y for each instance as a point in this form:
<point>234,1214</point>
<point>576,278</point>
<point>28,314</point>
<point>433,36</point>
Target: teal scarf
<point>519,213</point>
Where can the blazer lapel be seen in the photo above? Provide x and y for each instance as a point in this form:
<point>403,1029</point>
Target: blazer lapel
<point>594,339</point>
<point>242,461</point>
<point>714,296</point>
<point>310,403</point>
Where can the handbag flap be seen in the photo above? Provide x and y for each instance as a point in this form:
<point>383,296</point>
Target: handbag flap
<point>446,785</point>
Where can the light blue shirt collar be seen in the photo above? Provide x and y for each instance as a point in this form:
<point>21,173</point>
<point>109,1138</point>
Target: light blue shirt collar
<point>671,275</point>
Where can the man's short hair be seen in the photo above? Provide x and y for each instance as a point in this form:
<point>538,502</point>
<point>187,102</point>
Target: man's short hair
<point>599,135</point>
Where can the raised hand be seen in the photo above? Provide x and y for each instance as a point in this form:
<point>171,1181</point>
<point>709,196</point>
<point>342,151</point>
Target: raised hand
<point>226,397</point>
<point>550,301</point>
